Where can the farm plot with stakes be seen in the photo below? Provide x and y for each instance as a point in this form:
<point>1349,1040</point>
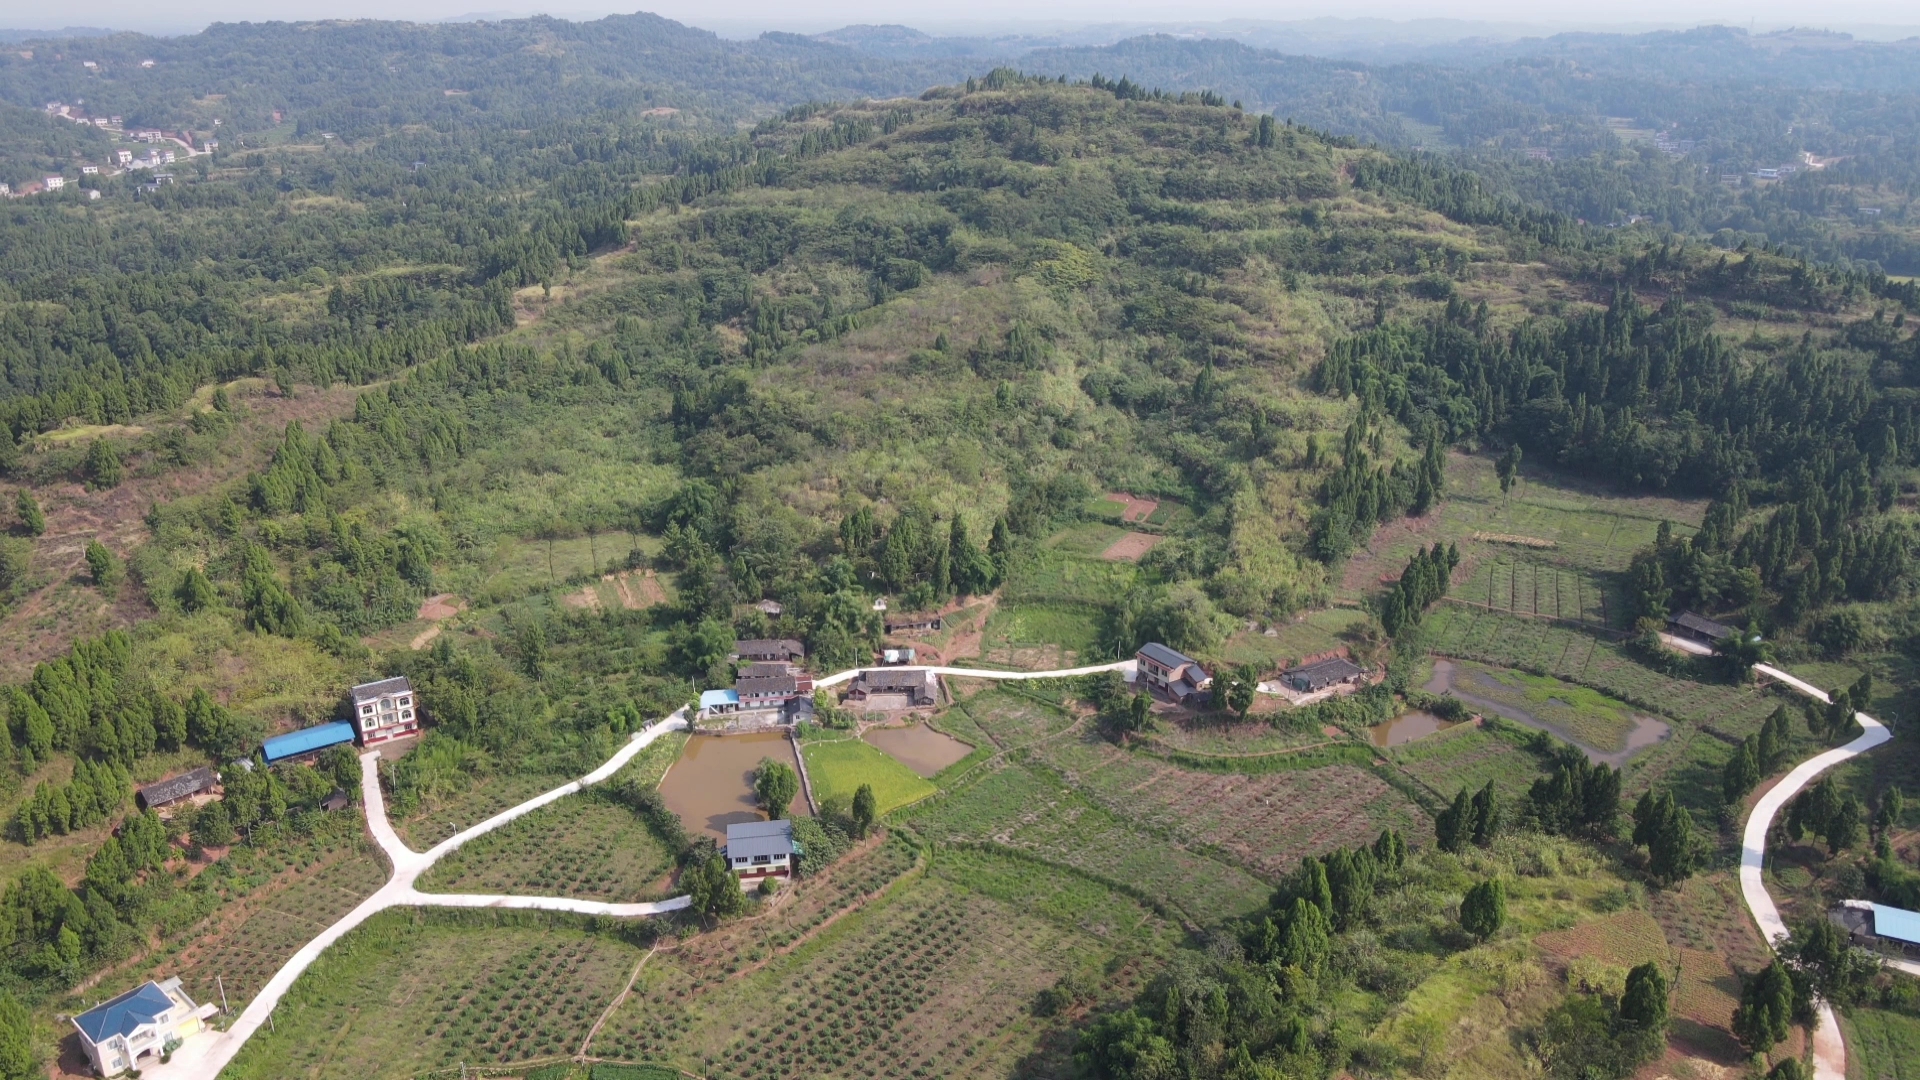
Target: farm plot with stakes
<point>1265,821</point>
<point>590,846</point>
<point>1031,812</point>
<point>937,980</point>
<point>417,990</point>
<point>264,929</point>
<point>1469,757</point>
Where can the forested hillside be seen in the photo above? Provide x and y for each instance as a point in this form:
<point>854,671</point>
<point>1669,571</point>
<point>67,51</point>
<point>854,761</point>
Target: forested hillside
<point>538,399</point>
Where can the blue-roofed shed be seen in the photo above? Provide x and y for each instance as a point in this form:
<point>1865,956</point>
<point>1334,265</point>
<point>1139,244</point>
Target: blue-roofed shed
<point>1897,923</point>
<point>306,741</point>
<point>713,702</point>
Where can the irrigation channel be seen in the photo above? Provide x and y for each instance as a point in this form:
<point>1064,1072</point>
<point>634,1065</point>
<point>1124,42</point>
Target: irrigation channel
<point>202,1058</point>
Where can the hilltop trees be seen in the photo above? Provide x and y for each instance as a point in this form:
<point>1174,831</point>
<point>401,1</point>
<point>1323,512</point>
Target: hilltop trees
<point>1765,1013</point>
<point>1483,911</point>
<point>27,509</point>
<point>1475,819</point>
<point>1822,811</point>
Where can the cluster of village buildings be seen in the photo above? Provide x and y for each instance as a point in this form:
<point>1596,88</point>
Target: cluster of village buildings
<point>158,156</point>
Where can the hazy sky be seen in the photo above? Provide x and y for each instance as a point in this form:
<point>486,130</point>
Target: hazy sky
<point>740,16</point>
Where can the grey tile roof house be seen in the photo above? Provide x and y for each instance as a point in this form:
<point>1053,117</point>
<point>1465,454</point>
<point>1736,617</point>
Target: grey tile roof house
<point>1688,625</point>
<point>385,710</point>
<point>1308,678</point>
<point>757,849</point>
<point>769,650</point>
<point>919,686</point>
<point>174,788</point>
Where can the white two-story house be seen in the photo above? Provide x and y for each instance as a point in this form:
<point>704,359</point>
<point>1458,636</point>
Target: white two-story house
<point>385,710</point>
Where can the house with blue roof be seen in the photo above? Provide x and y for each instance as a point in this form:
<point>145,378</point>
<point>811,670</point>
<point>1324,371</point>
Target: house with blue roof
<point>307,741</point>
<point>1881,927</point>
<point>718,702</point>
<point>139,1027</point>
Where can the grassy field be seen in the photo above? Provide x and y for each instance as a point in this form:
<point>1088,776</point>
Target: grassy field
<point>1468,757</point>
<point>1592,718</point>
<point>417,990</point>
<point>838,767</point>
<point>1305,635</point>
<point>1882,1045</point>
<point>587,846</point>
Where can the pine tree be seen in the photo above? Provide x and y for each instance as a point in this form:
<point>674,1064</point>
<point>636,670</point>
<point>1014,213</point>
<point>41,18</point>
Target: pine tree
<point>18,1057</point>
<point>1765,1013</point>
<point>1483,911</point>
<point>102,467</point>
<point>1488,815</point>
<point>864,810</point>
<point>1453,827</point>
<point>32,521</point>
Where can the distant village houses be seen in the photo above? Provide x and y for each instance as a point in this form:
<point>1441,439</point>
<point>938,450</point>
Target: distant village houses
<point>173,789</point>
<point>770,651</point>
<point>1322,675</point>
<point>913,623</point>
<point>1697,628</point>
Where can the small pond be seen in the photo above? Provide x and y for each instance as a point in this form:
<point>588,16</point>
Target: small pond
<point>711,786</point>
<point>1407,727</point>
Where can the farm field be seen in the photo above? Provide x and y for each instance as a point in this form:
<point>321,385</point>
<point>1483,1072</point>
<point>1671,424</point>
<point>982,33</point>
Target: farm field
<point>1031,813</point>
<point>1555,523</point>
<point>1310,634</point>
<point>417,990</point>
<point>258,933</point>
<point>938,979</point>
<point>1590,718</point>
<point>587,845</point>
<point>837,768</point>
<point>484,797</point>
<point>1469,757</point>
<point>1882,1045</point>
<point>1004,719</point>
<point>1264,822</point>
<point>1231,739</point>
<point>1532,586</point>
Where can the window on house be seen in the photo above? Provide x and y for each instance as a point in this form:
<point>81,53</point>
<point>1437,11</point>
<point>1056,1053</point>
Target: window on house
<point>404,702</point>
<point>406,714</point>
<point>370,724</point>
<point>762,859</point>
<point>366,710</point>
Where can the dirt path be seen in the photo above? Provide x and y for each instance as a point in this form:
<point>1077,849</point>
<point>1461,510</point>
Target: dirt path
<point>615,1003</point>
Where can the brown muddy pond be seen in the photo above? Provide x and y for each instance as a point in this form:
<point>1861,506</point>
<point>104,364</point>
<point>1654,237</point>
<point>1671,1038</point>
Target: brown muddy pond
<point>711,786</point>
<point>918,747</point>
<point>1407,727</point>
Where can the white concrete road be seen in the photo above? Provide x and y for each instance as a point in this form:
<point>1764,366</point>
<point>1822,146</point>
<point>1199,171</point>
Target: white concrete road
<point>202,1057</point>
<point>1829,1049</point>
<point>1125,667</point>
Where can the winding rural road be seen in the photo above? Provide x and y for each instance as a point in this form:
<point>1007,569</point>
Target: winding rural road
<point>203,1057</point>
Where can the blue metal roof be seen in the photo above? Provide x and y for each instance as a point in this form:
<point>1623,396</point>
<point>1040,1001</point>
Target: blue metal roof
<point>124,1015</point>
<point>710,698</point>
<point>307,740</point>
<point>1896,923</point>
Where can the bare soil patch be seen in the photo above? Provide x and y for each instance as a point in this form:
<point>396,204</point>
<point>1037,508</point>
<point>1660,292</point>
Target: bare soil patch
<point>424,638</point>
<point>1130,547</point>
<point>586,599</point>
<point>918,747</point>
<point>1371,565</point>
<point>637,589</point>
<point>1136,508</point>
<point>441,606</point>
